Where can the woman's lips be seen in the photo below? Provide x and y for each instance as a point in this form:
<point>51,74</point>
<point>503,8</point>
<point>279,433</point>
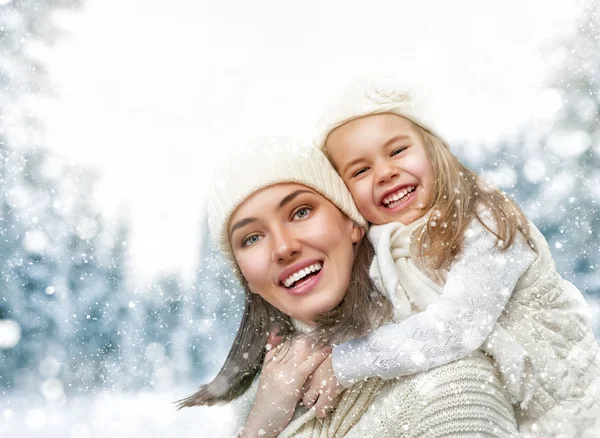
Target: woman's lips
<point>306,284</point>
<point>296,267</point>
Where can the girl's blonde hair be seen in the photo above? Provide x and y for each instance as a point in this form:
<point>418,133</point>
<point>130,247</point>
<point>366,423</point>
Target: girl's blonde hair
<point>456,199</point>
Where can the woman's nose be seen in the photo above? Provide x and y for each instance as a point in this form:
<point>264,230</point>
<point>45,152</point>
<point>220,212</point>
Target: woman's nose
<point>285,245</point>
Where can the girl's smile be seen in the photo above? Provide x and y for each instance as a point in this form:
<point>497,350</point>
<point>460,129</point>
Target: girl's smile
<point>400,196</point>
<point>382,160</point>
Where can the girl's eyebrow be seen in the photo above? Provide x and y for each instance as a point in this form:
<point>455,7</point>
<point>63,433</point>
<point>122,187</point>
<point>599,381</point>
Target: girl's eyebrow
<point>286,200</point>
<point>386,144</point>
<point>352,163</point>
<point>396,138</point>
<point>400,137</point>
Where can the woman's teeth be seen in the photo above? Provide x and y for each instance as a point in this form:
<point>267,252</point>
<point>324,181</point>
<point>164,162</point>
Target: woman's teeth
<point>398,195</point>
<point>301,274</point>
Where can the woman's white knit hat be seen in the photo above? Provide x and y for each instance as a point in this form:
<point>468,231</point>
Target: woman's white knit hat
<point>264,163</point>
<point>366,96</point>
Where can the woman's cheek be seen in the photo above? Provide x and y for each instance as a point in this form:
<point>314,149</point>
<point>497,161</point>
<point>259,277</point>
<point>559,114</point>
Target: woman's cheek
<point>253,265</point>
<point>321,230</point>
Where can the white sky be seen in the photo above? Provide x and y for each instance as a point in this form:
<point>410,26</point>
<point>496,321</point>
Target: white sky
<point>152,93</point>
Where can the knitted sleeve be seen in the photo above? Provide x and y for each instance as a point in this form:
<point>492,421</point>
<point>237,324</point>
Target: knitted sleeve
<point>464,398</point>
<point>478,287</point>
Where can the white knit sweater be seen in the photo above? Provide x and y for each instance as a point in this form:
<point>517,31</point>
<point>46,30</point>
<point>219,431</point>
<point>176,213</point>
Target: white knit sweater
<point>512,304</point>
<point>461,399</point>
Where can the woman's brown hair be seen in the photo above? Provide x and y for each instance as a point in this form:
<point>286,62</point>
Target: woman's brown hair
<point>354,316</point>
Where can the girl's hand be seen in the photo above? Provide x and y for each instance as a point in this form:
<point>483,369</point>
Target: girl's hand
<point>283,375</point>
<point>323,389</point>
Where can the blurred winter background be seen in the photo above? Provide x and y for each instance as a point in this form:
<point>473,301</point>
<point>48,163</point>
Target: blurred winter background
<point>113,114</point>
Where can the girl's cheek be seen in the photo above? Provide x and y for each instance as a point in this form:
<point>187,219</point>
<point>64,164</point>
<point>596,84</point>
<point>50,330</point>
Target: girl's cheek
<point>363,196</point>
<point>356,189</point>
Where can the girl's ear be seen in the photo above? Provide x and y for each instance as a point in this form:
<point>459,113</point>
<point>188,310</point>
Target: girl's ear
<point>357,232</point>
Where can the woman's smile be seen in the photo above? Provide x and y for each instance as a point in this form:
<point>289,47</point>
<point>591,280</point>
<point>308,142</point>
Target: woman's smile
<point>299,274</point>
<point>299,240</point>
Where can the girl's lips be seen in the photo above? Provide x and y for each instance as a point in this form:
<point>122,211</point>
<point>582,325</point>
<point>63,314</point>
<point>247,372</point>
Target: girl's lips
<point>400,204</point>
<point>395,190</point>
<point>305,285</point>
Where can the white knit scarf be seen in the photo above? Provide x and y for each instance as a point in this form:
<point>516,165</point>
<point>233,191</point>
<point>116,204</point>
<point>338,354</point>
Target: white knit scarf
<point>404,282</point>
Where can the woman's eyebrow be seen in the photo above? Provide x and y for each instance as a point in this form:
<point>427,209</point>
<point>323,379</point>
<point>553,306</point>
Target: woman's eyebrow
<point>241,223</point>
<point>283,202</point>
<point>291,196</point>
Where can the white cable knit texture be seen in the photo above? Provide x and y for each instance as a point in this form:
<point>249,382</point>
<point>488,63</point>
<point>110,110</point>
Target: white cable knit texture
<point>461,399</point>
<point>542,343</point>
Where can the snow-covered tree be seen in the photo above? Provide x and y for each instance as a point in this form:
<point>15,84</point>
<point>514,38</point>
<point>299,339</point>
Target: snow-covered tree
<point>56,274</point>
<point>552,168</point>
<point>217,300</point>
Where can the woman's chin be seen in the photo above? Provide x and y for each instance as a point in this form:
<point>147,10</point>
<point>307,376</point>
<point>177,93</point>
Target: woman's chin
<point>309,317</point>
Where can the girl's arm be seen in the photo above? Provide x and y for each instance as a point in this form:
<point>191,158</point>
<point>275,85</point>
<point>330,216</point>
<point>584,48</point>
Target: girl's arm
<point>478,287</point>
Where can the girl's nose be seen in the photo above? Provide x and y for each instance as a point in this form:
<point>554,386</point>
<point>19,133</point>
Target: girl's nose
<point>386,172</point>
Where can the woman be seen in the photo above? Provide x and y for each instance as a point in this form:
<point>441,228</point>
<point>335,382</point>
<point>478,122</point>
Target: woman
<point>286,223</point>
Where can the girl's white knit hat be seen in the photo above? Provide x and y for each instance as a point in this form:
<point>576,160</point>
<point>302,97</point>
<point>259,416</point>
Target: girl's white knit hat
<point>365,96</point>
<point>264,163</point>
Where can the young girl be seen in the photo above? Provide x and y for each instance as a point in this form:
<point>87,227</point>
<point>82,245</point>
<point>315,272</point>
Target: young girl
<point>462,266</point>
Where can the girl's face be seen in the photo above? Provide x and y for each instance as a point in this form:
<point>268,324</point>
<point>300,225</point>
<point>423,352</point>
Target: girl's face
<point>382,160</point>
<point>294,248</point>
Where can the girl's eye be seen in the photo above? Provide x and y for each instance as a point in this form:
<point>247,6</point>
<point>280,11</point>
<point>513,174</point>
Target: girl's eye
<point>302,212</point>
<point>250,240</point>
<point>398,151</point>
<point>359,171</point>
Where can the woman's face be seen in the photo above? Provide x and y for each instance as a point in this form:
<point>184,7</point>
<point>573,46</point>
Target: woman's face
<point>294,248</point>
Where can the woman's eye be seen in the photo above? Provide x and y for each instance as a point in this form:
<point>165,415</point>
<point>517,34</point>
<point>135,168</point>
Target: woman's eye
<point>250,240</point>
<point>398,151</point>
<point>302,213</point>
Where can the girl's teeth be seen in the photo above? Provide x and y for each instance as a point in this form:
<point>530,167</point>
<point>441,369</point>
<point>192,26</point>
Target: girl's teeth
<point>398,195</point>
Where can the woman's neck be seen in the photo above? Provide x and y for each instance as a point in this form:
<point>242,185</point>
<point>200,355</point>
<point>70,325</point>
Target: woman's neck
<point>302,327</point>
